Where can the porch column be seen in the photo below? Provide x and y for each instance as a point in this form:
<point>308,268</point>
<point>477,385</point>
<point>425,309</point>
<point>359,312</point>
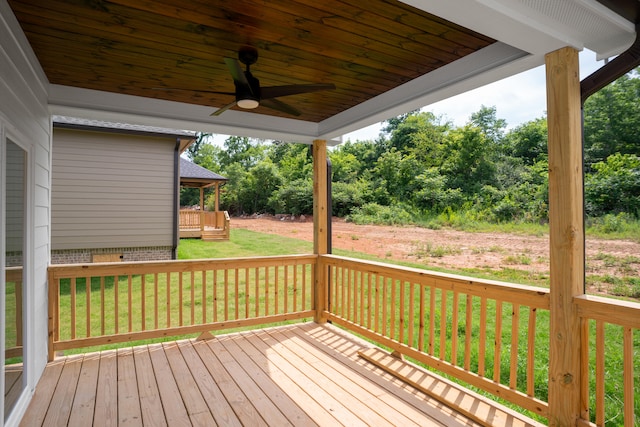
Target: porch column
<point>566,233</point>
<point>320,216</point>
<point>217,196</point>
<point>201,210</point>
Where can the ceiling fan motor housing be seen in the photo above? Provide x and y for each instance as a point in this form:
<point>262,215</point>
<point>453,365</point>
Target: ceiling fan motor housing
<point>248,97</point>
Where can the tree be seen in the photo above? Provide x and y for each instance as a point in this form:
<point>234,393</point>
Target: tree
<point>611,122</point>
<point>528,141</point>
<point>614,186</point>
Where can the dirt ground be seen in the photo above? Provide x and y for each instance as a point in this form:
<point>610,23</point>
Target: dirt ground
<point>455,249</point>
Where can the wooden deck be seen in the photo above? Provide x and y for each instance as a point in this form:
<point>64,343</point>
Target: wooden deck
<point>304,374</point>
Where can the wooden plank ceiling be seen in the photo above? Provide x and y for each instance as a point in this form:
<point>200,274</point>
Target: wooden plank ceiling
<point>364,47</point>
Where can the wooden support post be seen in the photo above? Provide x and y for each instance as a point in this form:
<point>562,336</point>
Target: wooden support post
<point>217,184</point>
<point>320,216</point>
<point>566,233</point>
<point>201,210</point>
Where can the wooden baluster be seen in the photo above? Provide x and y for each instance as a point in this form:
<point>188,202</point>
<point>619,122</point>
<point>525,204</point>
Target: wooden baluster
<point>257,292</point>
<point>155,300</point>
<point>180,296</point>
<point>443,323</point>
<point>483,337</point>
<point>422,314</point>
<point>498,342</point>
<point>246,293</point>
<point>599,372</point>
<point>401,314</point>
<point>168,301</point>
<point>468,332</point>
<point>130,302</point>
<point>454,328</point>
<point>102,305</point>
<point>393,315</point>
<point>143,302</point>
<point>629,415</point>
<point>432,318</point>
<point>411,322</point>
<point>513,366</point>
<point>531,350</point>
<point>116,291</point>
<point>87,287</point>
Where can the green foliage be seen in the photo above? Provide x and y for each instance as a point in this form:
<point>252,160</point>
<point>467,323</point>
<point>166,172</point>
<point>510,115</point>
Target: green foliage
<point>614,186</point>
<point>372,213</point>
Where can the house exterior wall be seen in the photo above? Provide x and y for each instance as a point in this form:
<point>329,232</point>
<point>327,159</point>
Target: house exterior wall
<point>111,191</point>
<point>25,120</point>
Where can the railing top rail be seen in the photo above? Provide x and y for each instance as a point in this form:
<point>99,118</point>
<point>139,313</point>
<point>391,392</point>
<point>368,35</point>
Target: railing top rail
<point>145,267</point>
<point>532,296</point>
<point>619,312</point>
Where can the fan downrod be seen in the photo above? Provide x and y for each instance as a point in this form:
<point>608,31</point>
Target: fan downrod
<point>248,55</point>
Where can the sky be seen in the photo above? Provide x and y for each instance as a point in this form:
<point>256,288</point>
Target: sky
<point>518,99</point>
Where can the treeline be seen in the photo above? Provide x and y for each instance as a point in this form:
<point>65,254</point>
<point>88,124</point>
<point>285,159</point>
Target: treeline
<point>422,168</point>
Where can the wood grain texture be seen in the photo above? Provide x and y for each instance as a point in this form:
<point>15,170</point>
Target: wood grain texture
<point>364,47</point>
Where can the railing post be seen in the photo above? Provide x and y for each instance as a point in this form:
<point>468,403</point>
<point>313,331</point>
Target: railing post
<point>320,216</point>
<point>566,234</point>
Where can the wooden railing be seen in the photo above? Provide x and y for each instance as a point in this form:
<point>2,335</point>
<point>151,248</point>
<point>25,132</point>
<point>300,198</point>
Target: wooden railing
<point>607,324</point>
<point>490,335</point>
<point>484,333</point>
<point>13,307</point>
<point>96,304</point>
<point>198,223</point>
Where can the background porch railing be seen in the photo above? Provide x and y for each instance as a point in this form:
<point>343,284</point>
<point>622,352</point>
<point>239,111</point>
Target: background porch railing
<point>97,304</point>
<point>204,224</point>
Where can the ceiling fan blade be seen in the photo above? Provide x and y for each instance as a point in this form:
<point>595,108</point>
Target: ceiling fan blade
<point>278,105</point>
<point>217,92</point>
<point>276,91</point>
<point>236,71</point>
<point>223,109</point>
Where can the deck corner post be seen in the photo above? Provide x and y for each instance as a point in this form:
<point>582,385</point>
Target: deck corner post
<point>566,233</point>
<point>320,216</point>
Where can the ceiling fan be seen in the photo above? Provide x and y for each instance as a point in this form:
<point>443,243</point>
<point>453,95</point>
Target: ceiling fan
<point>249,94</point>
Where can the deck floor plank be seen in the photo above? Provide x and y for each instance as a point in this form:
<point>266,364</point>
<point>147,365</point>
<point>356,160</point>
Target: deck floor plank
<point>43,394</point>
<point>196,406</point>
<point>269,411</point>
<point>106,407</point>
<point>84,402</point>
<point>150,403</point>
<point>351,411</point>
<point>220,409</point>
<point>303,374</point>
<point>174,408</point>
<point>64,393</point>
<point>129,412</point>
<point>280,398</point>
<point>241,405</point>
<point>315,410</point>
<point>361,387</point>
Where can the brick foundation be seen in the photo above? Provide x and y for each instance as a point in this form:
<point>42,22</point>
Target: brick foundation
<point>85,256</point>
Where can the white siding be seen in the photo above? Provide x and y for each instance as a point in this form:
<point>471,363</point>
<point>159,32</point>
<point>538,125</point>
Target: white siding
<point>25,119</point>
<point>112,190</point>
